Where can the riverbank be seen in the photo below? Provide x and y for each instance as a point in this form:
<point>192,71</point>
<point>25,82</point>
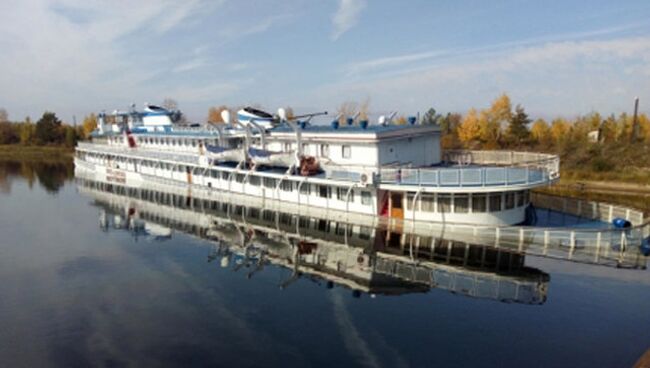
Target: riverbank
<point>18,152</point>
<point>635,195</point>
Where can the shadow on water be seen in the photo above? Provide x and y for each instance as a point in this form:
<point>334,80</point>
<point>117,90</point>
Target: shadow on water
<point>51,175</point>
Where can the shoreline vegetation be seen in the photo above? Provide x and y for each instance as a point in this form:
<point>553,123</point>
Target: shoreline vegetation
<point>16,152</point>
<point>601,157</point>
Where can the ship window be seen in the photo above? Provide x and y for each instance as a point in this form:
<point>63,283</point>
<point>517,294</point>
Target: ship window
<point>305,188</point>
<point>225,175</point>
<point>444,203</point>
<point>325,191</point>
<point>495,202</point>
<point>324,150</point>
<point>428,203</point>
<point>269,183</point>
<point>520,198</point>
<point>346,151</point>
<point>364,232</point>
<point>214,174</point>
<point>342,192</point>
<point>240,178</point>
<point>304,222</point>
<point>287,186</point>
<point>366,198</point>
<point>254,180</point>
<point>479,202</point>
<point>461,203</point>
<point>510,200</point>
<point>409,201</point>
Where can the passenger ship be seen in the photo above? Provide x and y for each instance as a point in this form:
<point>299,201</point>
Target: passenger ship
<point>346,168</point>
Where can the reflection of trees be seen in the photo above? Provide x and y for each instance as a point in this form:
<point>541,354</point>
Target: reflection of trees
<point>51,175</point>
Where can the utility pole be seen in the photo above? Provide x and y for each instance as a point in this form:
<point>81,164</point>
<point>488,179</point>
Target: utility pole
<point>635,123</point>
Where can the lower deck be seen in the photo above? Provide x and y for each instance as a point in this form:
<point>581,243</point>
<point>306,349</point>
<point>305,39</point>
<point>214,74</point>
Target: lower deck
<point>409,202</point>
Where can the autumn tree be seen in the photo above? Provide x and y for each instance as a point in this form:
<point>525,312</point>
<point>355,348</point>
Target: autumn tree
<point>469,131</point>
<point>27,131</point>
<point>560,130</point>
<point>89,125</point>
<point>540,132</point>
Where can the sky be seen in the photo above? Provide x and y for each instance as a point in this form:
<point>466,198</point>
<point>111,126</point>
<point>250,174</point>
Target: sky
<point>556,58</point>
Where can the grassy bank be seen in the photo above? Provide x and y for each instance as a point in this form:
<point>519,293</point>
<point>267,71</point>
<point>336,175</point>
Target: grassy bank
<point>16,152</point>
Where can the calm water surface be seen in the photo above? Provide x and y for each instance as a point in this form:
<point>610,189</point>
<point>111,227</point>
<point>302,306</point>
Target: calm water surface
<point>77,289</point>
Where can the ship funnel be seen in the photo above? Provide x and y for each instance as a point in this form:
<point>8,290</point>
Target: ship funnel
<point>282,113</point>
<point>225,116</point>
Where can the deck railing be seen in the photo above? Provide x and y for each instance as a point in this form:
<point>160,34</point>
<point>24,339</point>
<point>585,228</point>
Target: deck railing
<point>499,168</point>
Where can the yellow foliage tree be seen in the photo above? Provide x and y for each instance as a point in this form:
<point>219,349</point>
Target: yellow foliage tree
<point>541,132</point>
<point>500,111</point>
<point>469,130</point>
<point>560,130</point>
<point>89,125</point>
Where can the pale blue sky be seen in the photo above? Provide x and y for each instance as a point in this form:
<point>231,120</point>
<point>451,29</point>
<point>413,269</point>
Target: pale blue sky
<point>554,57</point>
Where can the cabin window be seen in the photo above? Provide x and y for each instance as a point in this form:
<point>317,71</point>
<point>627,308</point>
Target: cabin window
<point>526,196</point>
<point>214,174</point>
<point>366,198</point>
<point>287,186</point>
<point>479,203</point>
<point>305,189</point>
<point>304,222</point>
<point>269,183</point>
<point>342,192</point>
<point>495,202</point>
<point>428,203</point>
<point>510,200</point>
<point>461,203</point>
<point>254,180</point>
<point>444,203</point>
<point>346,151</point>
<point>365,232</point>
<point>239,178</point>
<point>324,150</point>
<point>225,175</point>
<point>324,191</point>
<point>520,198</point>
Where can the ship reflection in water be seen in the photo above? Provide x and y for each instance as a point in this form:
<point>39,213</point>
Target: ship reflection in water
<point>377,260</point>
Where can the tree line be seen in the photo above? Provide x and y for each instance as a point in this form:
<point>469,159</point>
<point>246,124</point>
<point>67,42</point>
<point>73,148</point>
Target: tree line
<point>48,130</point>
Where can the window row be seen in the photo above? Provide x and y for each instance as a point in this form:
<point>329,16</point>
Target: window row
<point>464,203</point>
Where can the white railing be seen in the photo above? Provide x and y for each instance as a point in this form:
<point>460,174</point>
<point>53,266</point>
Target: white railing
<point>499,168</point>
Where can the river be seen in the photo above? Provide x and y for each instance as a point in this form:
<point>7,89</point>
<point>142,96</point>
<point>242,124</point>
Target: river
<point>101,277</point>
